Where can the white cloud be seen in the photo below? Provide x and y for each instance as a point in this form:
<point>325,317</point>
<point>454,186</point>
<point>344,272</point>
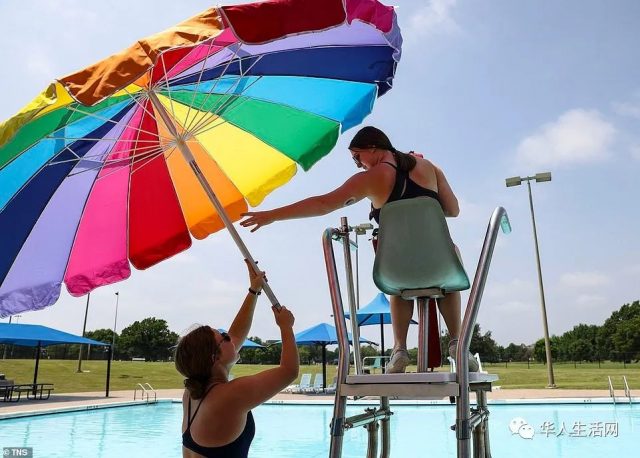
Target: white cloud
<point>590,300</point>
<point>435,16</point>
<point>629,108</point>
<point>584,280</point>
<point>577,136</point>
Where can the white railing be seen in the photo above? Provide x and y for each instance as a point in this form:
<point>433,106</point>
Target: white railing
<point>612,392</point>
<point>146,390</point>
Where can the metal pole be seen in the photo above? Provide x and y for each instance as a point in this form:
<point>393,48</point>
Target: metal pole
<point>340,402</point>
<point>108,370</point>
<point>188,156</point>
<point>35,373</point>
<point>115,321</point>
<point>499,219</point>
<point>84,328</point>
<point>547,342</point>
<point>355,329</point>
<point>4,353</point>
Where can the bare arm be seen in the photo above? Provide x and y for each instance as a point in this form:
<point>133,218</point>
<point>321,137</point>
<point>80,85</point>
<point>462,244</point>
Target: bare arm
<point>251,391</point>
<point>448,199</point>
<point>241,325</point>
<point>353,190</point>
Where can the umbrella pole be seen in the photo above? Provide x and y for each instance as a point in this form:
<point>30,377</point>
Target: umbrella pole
<point>188,156</point>
<point>324,368</point>
<point>382,343</point>
<point>35,373</point>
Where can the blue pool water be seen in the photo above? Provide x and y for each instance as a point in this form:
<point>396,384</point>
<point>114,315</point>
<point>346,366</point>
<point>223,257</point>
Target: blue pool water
<point>590,430</point>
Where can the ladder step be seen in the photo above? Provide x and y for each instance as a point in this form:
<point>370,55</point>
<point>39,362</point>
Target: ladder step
<point>401,390</point>
<point>418,377</point>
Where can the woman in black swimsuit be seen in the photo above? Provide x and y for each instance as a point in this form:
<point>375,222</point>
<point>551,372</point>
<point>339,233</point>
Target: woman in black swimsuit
<point>388,175</point>
<point>217,419</point>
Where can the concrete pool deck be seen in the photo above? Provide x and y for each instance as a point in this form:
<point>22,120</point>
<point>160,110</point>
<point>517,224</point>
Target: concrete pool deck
<point>72,401</point>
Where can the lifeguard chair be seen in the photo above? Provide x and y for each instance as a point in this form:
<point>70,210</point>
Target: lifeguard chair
<point>416,260</point>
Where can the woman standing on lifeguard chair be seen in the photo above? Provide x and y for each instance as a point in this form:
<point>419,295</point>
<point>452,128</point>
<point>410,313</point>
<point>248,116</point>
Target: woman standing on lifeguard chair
<point>389,175</point>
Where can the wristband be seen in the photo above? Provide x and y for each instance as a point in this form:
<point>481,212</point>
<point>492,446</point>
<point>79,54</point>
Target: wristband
<point>255,293</point>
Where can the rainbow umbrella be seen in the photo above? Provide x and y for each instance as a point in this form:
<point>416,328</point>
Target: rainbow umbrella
<point>123,162</point>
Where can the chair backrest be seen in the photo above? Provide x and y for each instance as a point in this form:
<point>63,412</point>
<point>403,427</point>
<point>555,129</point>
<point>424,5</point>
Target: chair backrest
<point>305,380</point>
<point>415,250</point>
<point>317,381</point>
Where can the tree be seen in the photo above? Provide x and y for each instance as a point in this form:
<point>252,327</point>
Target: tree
<point>149,338</point>
<point>615,350</point>
<point>102,335</point>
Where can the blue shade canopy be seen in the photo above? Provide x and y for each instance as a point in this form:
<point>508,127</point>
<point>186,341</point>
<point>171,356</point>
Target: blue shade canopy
<point>375,312</point>
<point>247,343</point>
<point>32,335</point>
<point>322,334</point>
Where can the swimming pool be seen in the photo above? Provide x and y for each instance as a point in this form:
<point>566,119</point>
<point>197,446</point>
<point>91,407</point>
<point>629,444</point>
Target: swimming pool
<point>285,430</point>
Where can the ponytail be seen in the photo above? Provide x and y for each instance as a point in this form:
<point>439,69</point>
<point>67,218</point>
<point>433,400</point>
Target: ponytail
<point>406,162</point>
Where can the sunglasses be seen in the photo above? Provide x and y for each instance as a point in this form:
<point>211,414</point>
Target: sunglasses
<point>225,337</point>
<point>356,159</point>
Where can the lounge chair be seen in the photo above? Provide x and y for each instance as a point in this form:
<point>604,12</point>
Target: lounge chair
<point>303,386</point>
<point>332,388</point>
<point>318,385</point>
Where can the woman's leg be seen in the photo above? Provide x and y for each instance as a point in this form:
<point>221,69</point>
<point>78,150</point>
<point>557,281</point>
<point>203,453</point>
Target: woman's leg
<point>401,313</point>
<point>449,307</point>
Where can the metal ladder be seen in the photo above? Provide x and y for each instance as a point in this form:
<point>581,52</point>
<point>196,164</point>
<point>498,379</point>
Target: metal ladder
<point>145,391</point>
<point>471,423</point>
<point>627,391</point>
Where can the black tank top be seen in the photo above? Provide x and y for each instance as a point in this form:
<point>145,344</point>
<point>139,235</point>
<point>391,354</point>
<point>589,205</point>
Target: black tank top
<point>403,188</point>
<point>239,448</point>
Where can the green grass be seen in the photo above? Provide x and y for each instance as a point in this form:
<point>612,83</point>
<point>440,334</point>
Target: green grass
<point>126,374</point>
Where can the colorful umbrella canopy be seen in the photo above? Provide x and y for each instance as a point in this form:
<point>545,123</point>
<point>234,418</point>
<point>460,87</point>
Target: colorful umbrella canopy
<point>122,162</point>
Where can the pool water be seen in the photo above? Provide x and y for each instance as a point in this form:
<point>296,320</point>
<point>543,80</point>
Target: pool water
<point>559,430</point>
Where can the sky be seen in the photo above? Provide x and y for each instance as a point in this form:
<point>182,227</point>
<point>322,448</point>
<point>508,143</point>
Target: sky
<point>485,90</point>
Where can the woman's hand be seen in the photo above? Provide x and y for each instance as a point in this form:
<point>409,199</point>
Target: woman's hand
<point>257,219</point>
<point>284,317</point>
<point>256,280</point>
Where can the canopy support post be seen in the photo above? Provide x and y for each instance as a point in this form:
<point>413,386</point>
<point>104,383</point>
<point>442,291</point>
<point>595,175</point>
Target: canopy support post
<point>188,156</point>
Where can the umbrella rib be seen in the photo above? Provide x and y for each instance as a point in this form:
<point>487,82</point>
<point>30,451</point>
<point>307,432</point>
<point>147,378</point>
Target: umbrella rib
<point>210,115</point>
<point>210,124</point>
<point>91,157</point>
<point>190,126</point>
<point>168,87</point>
<point>204,63</point>
<point>141,105</point>
<point>114,162</point>
<point>94,139</point>
<point>137,129</point>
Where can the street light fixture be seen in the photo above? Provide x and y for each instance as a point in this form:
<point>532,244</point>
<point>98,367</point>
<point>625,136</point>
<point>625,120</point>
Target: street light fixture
<point>516,181</point>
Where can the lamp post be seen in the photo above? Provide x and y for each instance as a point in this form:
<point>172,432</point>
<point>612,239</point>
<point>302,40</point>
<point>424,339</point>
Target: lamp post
<point>84,328</point>
<point>516,181</point>
<point>115,321</point>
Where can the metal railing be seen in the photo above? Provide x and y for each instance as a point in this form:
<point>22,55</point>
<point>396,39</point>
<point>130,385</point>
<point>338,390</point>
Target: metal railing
<point>466,420</point>
<point>499,219</point>
<point>627,391</point>
<point>612,392</point>
<point>145,390</point>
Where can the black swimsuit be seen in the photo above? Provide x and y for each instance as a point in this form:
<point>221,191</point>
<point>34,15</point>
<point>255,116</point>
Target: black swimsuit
<point>239,448</point>
<point>403,188</point>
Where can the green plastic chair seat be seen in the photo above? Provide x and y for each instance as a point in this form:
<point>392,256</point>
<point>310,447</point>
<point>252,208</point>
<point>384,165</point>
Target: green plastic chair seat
<point>415,250</point>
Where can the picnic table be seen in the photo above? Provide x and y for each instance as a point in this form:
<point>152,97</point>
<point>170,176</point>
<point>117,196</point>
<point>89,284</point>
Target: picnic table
<point>10,392</point>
